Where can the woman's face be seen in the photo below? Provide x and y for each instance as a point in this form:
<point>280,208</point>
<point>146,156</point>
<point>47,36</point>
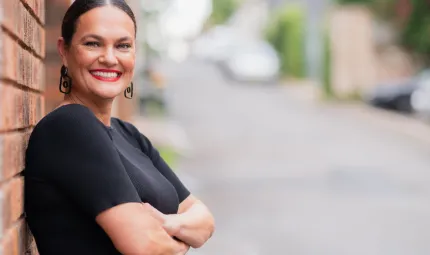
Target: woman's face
<point>101,56</point>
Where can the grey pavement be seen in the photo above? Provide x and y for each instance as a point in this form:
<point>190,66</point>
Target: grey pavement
<point>287,176</point>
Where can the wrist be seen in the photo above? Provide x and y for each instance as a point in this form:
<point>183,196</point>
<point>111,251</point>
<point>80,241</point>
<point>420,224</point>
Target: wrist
<point>180,221</point>
<point>173,224</point>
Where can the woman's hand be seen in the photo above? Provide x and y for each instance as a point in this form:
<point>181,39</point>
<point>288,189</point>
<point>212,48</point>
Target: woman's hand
<point>154,212</point>
<point>194,226</point>
<point>184,248</point>
<point>170,222</point>
<point>133,230</point>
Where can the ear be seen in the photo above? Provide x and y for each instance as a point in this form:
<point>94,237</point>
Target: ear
<point>62,50</point>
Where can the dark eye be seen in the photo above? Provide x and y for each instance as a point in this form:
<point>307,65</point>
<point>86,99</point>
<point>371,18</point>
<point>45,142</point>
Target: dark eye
<point>92,44</point>
<point>124,46</point>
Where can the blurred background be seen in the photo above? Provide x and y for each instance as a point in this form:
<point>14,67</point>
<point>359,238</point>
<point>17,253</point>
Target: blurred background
<point>304,125</point>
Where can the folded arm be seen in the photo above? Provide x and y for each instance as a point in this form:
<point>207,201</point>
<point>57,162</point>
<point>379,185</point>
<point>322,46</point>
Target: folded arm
<point>89,171</point>
<point>194,224</point>
<point>133,230</point>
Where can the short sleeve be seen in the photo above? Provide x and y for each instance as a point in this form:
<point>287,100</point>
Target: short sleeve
<point>73,151</point>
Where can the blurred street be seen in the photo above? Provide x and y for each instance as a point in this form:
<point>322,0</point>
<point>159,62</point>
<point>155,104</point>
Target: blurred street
<point>283,175</point>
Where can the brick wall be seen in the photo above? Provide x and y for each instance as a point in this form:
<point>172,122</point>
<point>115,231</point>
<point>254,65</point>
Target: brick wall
<point>55,10</point>
<point>29,77</point>
<point>22,51</point>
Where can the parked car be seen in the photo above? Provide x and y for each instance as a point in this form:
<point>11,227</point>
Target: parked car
<point>420,99</point>
<point>253,61</point>
<point>394,95</point>
<point>215,44</point>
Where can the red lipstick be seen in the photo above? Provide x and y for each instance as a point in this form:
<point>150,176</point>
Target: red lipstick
<point>109,75</point>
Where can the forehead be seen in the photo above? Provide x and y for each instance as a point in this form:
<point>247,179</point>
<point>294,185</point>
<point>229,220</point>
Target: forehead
<point>106,21</point>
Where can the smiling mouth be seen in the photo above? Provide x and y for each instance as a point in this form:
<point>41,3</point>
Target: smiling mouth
<point>110,76</point>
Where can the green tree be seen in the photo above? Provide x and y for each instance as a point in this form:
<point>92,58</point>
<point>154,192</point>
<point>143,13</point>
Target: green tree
<point>286,33</point>
<point>222,11</point>
<point>355,1</point>
<point>416,33</point>
<point>327,89</point>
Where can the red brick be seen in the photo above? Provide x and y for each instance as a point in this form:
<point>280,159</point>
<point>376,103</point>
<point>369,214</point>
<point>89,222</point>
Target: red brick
<point>36,109</point>
<point>20,65</point>
<point>21,106</point>
<point>52,33</point>
<point>18,108</point>
<point>52,76</point>
<point>12,202</point>
<point>13,243</point>
<point>22,24</point>
<point>9,57</point>
<point>12,154</point>
<point>38,8</point>
<point>52,80</point>
<point>12,151</point>
<point>39,108</point>
<point>55,10</point>
<point>11,107</point>
<point>52,95</point>
<point>30,70</point>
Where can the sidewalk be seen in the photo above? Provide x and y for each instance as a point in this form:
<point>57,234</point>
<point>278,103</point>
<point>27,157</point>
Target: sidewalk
<point>167,133</point>
<point>406,125</point>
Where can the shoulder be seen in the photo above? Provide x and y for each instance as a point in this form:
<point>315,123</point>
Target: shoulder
<point>70,114</point>
<point>131,130</point>
<point>125,126</point>
<point>68,121</point>
<point>71,130</point>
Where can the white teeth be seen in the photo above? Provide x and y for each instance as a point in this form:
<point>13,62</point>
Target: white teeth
<point>106,74</point>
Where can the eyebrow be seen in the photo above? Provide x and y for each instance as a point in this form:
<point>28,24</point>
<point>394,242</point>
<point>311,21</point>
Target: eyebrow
<point>97,37</point>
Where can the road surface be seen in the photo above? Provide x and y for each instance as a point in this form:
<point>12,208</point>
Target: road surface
<point>285,176</point>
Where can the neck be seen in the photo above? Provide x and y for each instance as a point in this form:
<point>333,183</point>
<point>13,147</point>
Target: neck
<point>101,109</point>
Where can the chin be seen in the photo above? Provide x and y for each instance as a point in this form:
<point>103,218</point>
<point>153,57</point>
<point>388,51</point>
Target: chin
<point>109,94</point>
<point>107,90</point>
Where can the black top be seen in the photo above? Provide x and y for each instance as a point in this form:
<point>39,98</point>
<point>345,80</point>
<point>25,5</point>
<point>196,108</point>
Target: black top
<point>76,167</point>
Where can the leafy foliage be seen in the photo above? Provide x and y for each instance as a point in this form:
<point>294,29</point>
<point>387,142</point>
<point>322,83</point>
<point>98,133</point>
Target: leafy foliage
<point>222,11</point>
<point>286,33</point>
<point>416,32</point>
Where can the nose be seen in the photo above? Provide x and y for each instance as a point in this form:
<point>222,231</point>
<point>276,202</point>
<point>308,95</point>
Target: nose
<point>108,57</point>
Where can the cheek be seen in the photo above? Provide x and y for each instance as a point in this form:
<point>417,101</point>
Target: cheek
<point>129,63</point>
<point>84,57</point>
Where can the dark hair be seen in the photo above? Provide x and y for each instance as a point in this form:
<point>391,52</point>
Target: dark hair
<point>79,7</point>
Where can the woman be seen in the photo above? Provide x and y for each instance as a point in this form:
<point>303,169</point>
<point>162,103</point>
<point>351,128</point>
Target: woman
<point>94,184</point>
